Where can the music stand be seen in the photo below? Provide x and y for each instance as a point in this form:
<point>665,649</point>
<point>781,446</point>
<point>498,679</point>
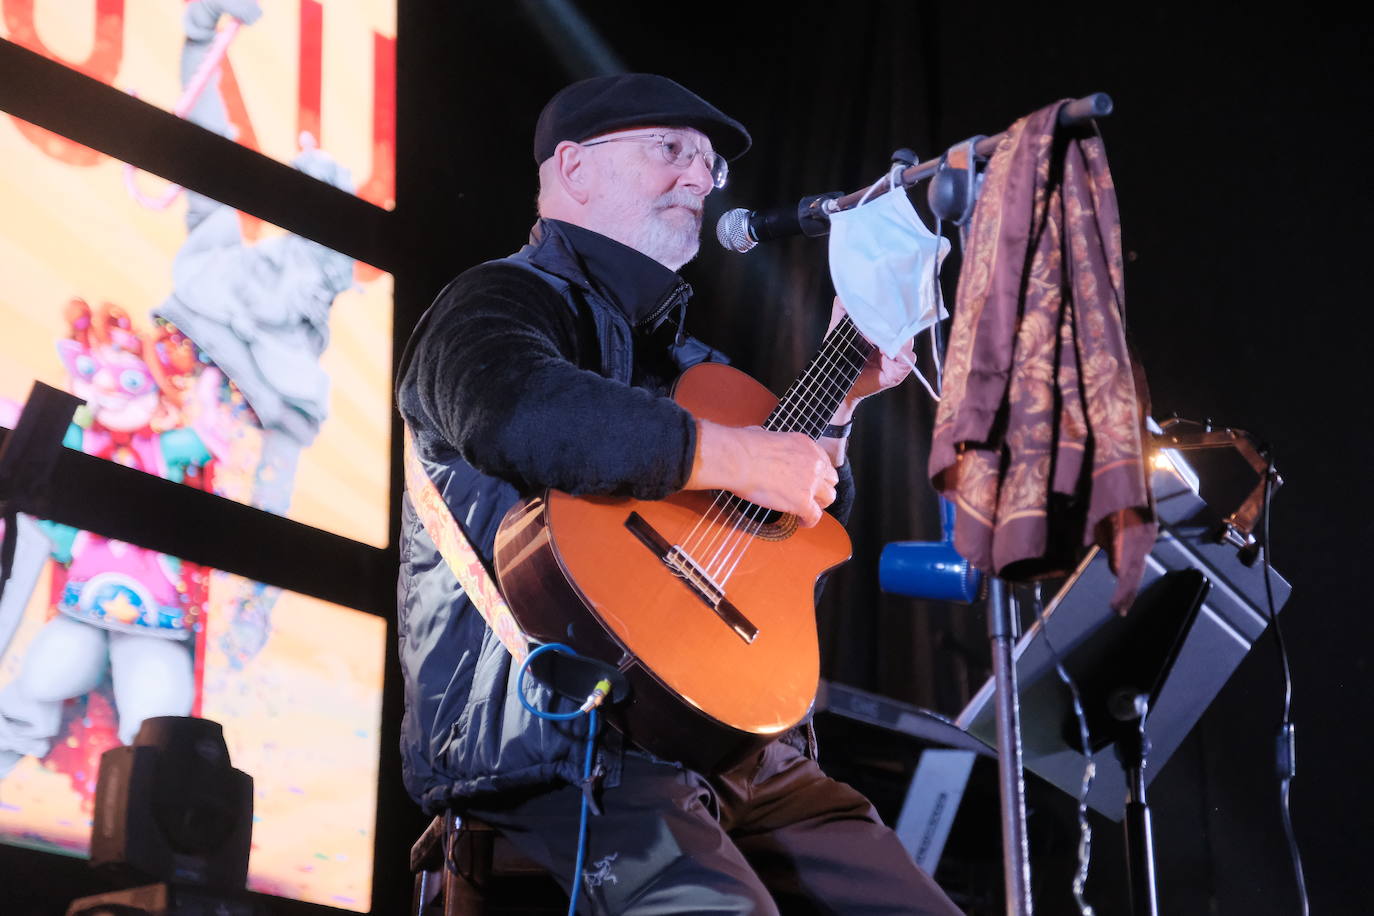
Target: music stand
<point>1201,606</point>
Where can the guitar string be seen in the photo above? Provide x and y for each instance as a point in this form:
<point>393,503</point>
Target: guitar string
<point>801,397</point>
<point>727,504</point>
<point>814,394</point>
<point>722,503</point>
<point>732,502</point>
<point>818,418</point>
<point>803,410</point>
<point>808,402</point>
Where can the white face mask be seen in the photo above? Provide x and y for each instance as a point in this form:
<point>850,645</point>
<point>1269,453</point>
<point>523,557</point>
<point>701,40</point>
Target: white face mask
<point>884,263</point>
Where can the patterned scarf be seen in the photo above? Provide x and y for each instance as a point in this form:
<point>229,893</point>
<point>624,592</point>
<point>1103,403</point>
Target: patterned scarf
<point>1038,435</point>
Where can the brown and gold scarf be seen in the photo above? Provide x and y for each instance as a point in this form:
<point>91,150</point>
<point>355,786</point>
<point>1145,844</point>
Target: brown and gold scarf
<point>1038,437</point>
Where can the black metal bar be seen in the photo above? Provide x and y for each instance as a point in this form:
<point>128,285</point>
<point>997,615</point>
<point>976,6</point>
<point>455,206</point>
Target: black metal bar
<point>1097,105</point>
<point>59,99</point>
<point>27,453</point>
<point>1011,780</point>
<point>1002,631</point>
<point>1133,746</point>
<point>1140,858</point>
<point>117,502</point>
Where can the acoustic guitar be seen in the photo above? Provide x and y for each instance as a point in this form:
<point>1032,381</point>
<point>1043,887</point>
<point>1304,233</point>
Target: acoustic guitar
<point>704,601</point>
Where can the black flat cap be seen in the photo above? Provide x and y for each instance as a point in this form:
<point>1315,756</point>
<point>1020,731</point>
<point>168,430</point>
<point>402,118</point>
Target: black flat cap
<point>606,103</point>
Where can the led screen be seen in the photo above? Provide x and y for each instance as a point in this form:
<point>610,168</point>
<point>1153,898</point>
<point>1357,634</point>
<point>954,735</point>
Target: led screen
<point>265,74</point>
<point>96,635</point>
<point>211,347</point>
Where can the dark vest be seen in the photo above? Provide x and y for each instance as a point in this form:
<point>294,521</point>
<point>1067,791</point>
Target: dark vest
<point>464,733</point>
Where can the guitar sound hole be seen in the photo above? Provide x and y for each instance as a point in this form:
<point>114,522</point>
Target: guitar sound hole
<point>767,524</point>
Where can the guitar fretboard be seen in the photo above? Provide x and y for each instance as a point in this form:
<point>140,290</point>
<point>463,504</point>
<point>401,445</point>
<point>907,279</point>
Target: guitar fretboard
<point>810,402</point>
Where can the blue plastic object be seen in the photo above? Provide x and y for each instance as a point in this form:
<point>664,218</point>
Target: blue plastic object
<point>929,569</point>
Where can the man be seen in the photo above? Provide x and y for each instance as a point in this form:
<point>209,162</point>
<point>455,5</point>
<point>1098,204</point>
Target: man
<point>549,369</point>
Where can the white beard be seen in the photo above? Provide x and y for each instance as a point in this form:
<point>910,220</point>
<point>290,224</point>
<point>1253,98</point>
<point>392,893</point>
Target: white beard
<point>669,233</point>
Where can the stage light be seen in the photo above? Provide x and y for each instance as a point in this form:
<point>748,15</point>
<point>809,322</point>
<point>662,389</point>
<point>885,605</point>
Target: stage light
<point>171,807</point>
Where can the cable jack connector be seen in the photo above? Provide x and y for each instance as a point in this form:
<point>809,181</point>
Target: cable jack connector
<point>1287,756</point>
<point>598,694</point>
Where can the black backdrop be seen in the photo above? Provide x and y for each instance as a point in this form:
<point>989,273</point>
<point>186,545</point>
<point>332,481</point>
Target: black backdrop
<point>1239,149</point>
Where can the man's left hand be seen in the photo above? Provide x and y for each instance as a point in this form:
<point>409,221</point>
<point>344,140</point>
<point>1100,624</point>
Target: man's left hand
<point>879,373</point>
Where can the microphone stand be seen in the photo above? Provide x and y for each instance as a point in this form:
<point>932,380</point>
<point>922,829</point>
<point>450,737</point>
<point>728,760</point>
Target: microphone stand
<point>1097,105</point>
<point>1002,623</point>
<point>1133,747</point>
<point>1011,782</point>
<point>956,203</point>
<point>740,229</point>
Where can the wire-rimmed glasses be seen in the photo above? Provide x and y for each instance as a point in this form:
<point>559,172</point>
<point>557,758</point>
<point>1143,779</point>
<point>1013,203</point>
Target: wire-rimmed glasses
<point>678,153</point>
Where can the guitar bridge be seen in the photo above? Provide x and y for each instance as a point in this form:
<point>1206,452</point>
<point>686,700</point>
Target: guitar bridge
<point>690,573</point>
<point>682,564</point>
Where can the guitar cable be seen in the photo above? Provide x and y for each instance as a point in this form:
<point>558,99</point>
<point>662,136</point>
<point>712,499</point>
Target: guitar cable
<point>1285,756</point>
<point>1085,830</point>
<point>588,708</point>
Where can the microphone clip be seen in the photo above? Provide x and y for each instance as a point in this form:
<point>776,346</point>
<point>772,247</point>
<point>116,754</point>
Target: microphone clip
<point>813,214</point>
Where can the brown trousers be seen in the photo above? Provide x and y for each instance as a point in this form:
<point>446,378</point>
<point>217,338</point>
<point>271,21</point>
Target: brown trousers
<point>773,835</point>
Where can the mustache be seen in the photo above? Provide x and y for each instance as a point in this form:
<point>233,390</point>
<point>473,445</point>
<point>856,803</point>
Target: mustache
<point>681,197</point>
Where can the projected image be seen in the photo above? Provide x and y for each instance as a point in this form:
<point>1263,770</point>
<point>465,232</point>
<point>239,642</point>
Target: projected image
<point>97,635</point>
<point>257,369</point>
<point>278,72</point>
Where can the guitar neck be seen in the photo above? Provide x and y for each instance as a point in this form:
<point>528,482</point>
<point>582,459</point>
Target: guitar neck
<point>811,400</point>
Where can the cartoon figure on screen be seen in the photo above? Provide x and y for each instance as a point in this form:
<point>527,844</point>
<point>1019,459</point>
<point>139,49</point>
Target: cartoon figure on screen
<point>117,609</point>
<point>257,313</point>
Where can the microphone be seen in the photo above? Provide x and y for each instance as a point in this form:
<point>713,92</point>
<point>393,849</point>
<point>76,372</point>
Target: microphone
<point>741,229</point>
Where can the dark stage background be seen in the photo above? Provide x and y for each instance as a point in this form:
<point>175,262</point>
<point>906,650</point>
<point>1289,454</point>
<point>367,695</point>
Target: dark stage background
<point>1239,148</point>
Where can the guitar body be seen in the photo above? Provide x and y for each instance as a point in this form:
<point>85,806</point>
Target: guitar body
<point>709,613</point>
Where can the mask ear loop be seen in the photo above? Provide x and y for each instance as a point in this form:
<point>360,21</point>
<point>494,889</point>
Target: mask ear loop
<point>920,375</point>
<point>869,193</point>
<point>897,169</point>
<point>961,224</point>
<point>935,282</point>
<point>892,186</point>
<point>891,176</point>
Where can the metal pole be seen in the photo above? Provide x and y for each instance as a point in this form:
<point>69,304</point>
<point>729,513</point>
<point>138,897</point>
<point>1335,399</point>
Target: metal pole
<point>1015,849</point>
<point>1097,105</point>
<point>1134,748</point>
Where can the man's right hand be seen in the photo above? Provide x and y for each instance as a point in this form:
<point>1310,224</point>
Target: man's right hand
<point>786,472</point>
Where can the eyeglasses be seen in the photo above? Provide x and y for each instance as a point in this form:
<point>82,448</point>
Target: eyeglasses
<point>677,154</point>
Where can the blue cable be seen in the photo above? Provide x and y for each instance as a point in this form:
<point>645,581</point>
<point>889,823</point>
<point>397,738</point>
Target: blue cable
<point>582,823</point>
<point>520,683</point>
<point>587,761</point>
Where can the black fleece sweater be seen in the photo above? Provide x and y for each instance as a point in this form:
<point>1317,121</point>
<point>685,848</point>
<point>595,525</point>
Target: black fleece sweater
<point>506,375</point>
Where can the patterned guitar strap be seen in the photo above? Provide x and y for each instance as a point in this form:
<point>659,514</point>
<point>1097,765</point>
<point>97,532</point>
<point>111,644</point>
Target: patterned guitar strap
<point>459,554</point>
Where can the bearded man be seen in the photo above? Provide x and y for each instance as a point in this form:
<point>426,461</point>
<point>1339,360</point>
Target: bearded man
<point>550,369</point>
